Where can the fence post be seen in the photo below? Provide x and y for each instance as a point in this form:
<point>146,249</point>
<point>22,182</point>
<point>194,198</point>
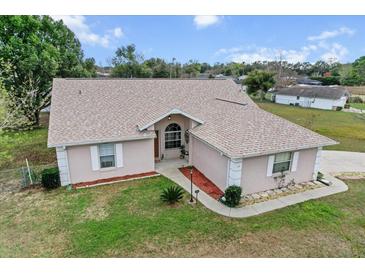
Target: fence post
<point>30,176</point>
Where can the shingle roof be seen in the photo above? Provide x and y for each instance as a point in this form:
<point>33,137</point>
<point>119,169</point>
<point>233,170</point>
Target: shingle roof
<point>326,92</point>
<point>86,111</point>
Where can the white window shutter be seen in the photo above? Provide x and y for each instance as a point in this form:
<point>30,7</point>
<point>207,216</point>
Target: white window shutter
<point>294,163</point>
<point>270,165</point>
<point>94,158</point>
<point>119,154</point>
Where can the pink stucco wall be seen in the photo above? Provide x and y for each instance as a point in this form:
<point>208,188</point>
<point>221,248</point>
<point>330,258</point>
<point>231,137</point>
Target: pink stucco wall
<point>137,158</point>
<point>254,178</point>
<point>210,162</point>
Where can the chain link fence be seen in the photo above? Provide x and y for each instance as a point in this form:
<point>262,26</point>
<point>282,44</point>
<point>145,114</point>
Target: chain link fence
<point>15,179</point>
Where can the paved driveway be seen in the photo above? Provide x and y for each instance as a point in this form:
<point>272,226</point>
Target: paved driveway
<point>342,161</point>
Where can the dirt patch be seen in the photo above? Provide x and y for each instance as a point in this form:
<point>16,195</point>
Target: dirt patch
<point>10,186</point>
<point>351,176</point>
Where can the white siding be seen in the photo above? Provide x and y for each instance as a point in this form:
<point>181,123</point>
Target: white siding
<point>319,103</point>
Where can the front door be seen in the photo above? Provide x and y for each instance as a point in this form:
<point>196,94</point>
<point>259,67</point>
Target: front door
<point>157,145</point>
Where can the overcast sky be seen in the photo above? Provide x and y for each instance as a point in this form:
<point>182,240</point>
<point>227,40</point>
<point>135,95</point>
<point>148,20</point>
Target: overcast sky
<point>223,38</point>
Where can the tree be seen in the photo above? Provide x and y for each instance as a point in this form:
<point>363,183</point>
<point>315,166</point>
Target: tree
<point>38,50</point>
<point>159,68</point>
<point>192,68</point>
<point>127,62</point>
<point>259,81</point>
<point>351,78</point>
<point>320,67</point>
<point>234,69</point>
<point>90,67</point>
<point>359,67</point>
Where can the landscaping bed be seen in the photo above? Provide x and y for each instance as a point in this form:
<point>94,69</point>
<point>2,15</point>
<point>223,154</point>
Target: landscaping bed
<point>272,194</point>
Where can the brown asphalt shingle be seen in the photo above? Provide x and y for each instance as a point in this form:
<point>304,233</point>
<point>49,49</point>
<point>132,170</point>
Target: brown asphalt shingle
<point>86,111</point>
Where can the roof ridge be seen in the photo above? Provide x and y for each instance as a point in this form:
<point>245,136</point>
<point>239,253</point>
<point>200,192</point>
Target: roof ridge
<point>117,78</point>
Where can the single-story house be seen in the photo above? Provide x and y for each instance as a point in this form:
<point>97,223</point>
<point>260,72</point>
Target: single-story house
<point>307,81</point>
<point>104,129</point>
<point>322,97</point>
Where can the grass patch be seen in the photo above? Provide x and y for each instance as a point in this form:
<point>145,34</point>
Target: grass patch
<point>346,128</point>
<point>15,147</point>
<point>358,105</point>
<point>129,220</point>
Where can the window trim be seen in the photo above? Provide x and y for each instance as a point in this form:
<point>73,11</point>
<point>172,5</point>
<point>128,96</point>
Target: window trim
<point>174,140</point>
<point>290,163</point>
<point>114,155</point>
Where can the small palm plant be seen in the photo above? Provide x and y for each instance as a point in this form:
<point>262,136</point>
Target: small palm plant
<point>172,194</point>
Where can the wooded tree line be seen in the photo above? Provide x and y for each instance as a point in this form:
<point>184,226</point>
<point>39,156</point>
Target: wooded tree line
<point>33,51</point>
<point>36,49</point>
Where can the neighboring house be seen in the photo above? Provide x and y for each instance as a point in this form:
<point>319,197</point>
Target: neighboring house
<point>322,97</point>
<point>105,129</point>
<point>308,81</point>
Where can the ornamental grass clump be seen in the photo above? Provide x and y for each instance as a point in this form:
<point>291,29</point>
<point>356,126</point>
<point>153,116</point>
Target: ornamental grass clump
<point>172,194</point>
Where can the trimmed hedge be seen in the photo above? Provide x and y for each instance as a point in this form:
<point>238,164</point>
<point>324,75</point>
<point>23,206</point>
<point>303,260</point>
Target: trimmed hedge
<point>51,178</point>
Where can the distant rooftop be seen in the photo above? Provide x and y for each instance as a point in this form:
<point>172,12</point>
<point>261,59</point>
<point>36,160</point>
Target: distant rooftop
<point>310,91</point>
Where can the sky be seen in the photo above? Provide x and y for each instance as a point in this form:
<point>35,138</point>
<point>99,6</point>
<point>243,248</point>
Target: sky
<point>214,39</point>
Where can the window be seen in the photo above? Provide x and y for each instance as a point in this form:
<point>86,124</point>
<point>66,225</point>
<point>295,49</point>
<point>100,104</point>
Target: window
<point>107,155</point>
<point>173,136</point>
<point>282,162</point>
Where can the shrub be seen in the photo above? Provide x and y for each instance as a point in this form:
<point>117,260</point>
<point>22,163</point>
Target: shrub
<point>232,196</point>
<point>328,81</point>
<point>172,194</point>
<point>51,178</point>
<point>355,99</point>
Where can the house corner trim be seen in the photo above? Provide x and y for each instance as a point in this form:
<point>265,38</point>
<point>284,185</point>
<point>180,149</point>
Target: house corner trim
<point>62,161</point>
<point>234,172</point>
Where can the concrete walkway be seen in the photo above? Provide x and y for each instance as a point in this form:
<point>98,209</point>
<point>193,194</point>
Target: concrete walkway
<point>342,161</point>
<point>170,170</point>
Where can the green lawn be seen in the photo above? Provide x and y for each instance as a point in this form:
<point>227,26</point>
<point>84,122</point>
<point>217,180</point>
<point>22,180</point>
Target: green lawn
<point>347,128</point>
<point>129,220</point>
<point>15,147</point>
<point>358,105</point>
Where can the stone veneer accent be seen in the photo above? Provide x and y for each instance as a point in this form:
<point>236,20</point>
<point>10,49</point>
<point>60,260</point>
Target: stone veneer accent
<point>63,166</point>
<point>234,172</point>
<point>317,163</point>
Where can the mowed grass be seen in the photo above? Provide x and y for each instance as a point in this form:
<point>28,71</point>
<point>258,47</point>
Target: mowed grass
<point>346,128</point>
<point>358,105</point>
<point>129,220</point>
<point>15,147</point>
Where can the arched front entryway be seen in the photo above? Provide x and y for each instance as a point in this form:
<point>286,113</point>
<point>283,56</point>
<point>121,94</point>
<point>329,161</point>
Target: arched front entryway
<point>171,132</point>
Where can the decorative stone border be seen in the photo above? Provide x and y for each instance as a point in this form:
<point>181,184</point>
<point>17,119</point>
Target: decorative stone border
<point>272,194</point>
